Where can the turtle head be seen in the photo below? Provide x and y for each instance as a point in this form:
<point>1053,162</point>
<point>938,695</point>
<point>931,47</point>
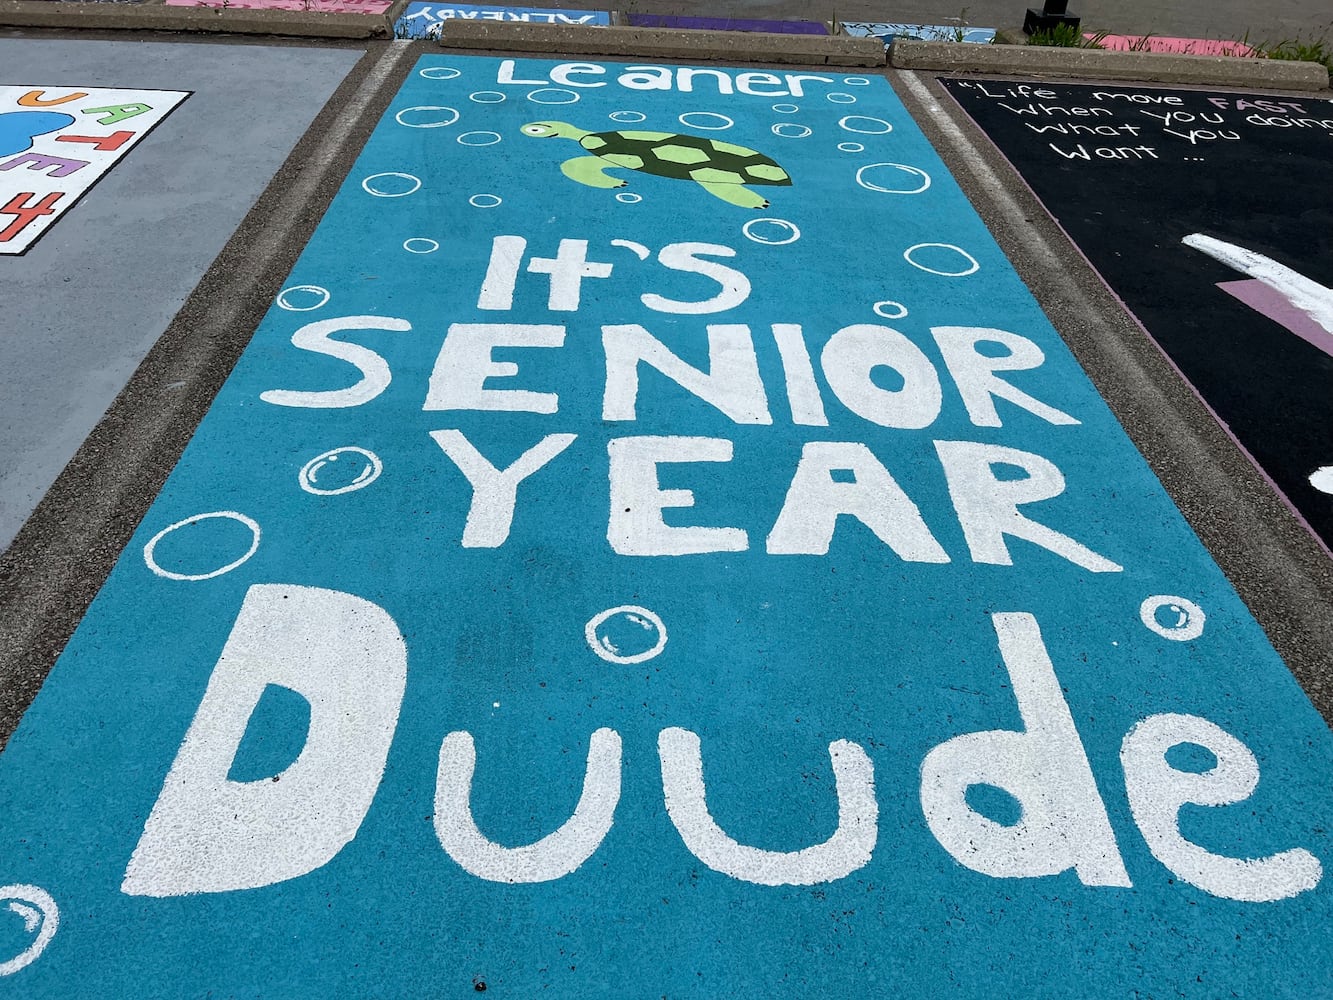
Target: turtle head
<point>545,130</point>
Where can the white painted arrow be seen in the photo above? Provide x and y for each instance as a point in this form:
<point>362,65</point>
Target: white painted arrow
<point>1307,295</point>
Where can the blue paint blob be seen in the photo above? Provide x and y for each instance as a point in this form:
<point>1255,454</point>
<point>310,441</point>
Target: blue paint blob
<point>994,803</point>
<point>19,128</point>
<point>1191,758</point>
<point>274,736</point>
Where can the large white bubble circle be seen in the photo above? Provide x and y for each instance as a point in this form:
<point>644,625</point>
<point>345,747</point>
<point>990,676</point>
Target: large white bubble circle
<point>856,81</point>
<point>840,98</point>
<point>149,550</point>
<point>641,631</point>
<point>755,230</point>
<point>420,244</point>
<point>345,470</point>
<point>39,912</point>
<point>284,299</point>
<point>629,197</point>
<point>448,117</point>
<point>872,126</point>
<point>391,184</point>
<point>440,73</point>
<point>893,178</point>
<point>1174,618</point>
<point>792,130</point>
<point>707,120</point>
<point>552,95</point>
<point>487,97</point>
<point>485,200</point>
<point>970,268</point>
<point>889,309</point>
<point>851,147</point>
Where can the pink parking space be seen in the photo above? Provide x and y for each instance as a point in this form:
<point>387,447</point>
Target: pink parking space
<point>1178,46</point>
<point>323,6</point>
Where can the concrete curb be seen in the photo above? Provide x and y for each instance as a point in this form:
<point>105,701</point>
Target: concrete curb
<point>152,17</point>
<point>1101,64</point>
<point>662,43</point>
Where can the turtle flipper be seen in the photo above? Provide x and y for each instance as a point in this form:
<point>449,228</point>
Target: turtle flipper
<point>589,170</point>
<point>736,194</point>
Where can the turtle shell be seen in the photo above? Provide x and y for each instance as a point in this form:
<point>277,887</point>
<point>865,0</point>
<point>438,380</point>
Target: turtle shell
<point>686,157</point>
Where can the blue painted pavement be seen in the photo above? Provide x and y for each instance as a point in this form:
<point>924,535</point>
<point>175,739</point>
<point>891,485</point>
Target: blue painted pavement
<point>625,591</point>
<point>920,32</point>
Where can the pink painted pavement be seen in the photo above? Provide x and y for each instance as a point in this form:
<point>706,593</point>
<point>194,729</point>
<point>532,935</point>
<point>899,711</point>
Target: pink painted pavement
<point>322,6</point>
<point>1180,46</point>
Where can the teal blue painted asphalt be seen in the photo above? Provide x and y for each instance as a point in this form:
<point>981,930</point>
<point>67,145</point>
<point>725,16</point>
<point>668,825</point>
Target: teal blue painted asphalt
<point>381,625</point>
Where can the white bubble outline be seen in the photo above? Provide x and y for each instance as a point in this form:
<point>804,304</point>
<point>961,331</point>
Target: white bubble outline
<point>1148,615</point>
<point>627,121</point>
<point>473,200</point>
<point>590,634</point>
<point>427,107</point>
<point>786,109</point>
<point>808,131</point>
<point>707,128</point>
<point>869,186</point>
<point>856,81</point>
<point>889,302</point>
<point>42,900</point>
<point>795,232</point>
<point>365,184</point>
<point>842,124</point>
<point>574,98</point>
<point>435,73</point>
<point>282,302</point>
<point>476,97</point>
<point>152,564</point>
<point>851,99</point>
<point>434,244</point>
<point>629,198</point>
<point>477,145</point>
<point>847,147</point>
<point>907,256</point>
<point>312,467</point>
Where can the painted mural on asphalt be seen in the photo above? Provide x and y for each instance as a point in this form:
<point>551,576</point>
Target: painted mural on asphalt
<point>1209,216</point>
<point>656,546</point>
<point>57,142</point>
<point>423,20</point>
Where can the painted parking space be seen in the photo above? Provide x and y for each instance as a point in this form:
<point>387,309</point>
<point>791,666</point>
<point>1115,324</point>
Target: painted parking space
<point>117,190</point>
<point>1208,215</point>
<point>423,20</point>
<point>602,576</point>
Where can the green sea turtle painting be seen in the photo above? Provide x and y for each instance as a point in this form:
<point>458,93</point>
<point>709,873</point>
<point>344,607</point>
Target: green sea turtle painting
<point>722,169</point>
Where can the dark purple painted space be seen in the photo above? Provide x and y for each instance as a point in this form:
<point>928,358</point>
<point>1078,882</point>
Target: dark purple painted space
<point>728,24</point>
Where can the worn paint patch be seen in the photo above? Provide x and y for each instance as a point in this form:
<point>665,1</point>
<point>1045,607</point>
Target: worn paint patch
<point>666,578</point>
